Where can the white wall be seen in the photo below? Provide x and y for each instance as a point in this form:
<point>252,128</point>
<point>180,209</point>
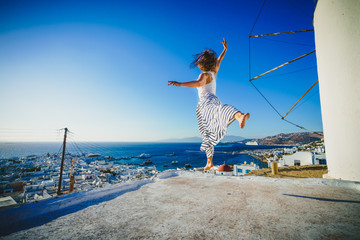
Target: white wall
<point>337,38</point>
<point>244,168</point>
<point>306,158</point>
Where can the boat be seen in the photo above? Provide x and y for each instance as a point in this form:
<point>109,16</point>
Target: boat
<point>170,155</point>
<point>147,162</point>
<point>174,162</point>
<point>144,155</point>
<point>188,165</point>
<point>252,143</point>
<point>165,165</point>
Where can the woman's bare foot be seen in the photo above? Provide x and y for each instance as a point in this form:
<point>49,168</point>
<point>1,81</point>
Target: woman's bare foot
<point>206,168</point>
<point>209,165</point>
<point>242,118</point>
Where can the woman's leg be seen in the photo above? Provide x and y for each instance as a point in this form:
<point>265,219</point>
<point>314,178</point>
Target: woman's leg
<point>209,155</point>
<point>242,118</point>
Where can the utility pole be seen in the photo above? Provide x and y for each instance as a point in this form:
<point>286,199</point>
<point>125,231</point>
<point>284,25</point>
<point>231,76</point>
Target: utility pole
<point>62,162</point>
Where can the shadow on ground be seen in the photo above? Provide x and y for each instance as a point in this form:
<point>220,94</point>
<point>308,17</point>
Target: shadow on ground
<point>35,214</point>
<point>322,199</point>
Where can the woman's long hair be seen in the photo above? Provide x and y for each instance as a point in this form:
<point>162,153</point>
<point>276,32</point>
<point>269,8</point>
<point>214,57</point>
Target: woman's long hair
<point>206,59</point>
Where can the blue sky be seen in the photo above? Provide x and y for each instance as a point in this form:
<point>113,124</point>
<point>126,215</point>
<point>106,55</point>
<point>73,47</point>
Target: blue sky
<point>101,68</point>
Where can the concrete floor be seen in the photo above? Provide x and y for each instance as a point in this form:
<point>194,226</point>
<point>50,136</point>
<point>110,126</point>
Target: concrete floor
<point>199,206</point>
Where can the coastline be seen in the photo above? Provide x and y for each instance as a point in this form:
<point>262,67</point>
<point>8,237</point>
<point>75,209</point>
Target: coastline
<point>39,174</point>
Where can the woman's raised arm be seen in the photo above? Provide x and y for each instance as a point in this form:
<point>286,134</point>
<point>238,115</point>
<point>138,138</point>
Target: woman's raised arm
<point>221,57</point>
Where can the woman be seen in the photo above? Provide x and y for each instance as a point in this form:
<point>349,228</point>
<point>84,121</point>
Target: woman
<point>213,117</point>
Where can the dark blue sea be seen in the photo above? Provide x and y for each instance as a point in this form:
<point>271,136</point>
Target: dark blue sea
<point>160,154</point>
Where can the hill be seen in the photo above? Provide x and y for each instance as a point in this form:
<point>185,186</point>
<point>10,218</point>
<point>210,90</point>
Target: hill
<point>279,139</point>
<point>289,138</point>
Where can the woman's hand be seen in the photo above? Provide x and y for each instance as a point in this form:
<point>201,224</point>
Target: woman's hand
<point>221,57</point>
<point>174,83</point>
<point>224,43</point>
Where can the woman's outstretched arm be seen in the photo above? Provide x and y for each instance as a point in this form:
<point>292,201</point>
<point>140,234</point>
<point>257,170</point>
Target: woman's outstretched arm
<point>220,58</point>
<point>201,81</point>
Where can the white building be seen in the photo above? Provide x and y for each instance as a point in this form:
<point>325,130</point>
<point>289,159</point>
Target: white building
<point>296,159</point>
<point>320,158</point>
<point>289,150</point>
<point>241,170</point>
<point>224,170</point>
<point>87,176</point>
<point>34,188</point>
<point>48,183</point>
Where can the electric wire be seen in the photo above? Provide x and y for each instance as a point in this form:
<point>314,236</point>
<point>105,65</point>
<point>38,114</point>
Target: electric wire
<point>90,145</point>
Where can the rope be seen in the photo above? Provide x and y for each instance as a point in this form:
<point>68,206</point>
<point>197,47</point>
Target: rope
<point>300,99</point>
<point>307,99</point>
<point>257,17</point>
<point>282,65</point>
<point>251,33</point>
<point>287,42</point>
<point>289,73</point>
<point>250,79</point>
<point>300,9</point>
<point>281,115</point>
<point>266,99</point>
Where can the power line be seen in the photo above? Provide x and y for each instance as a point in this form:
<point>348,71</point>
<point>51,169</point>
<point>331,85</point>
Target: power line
<point>90,145</point>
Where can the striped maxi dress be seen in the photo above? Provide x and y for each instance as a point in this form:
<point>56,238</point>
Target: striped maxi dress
<point>213,117</point>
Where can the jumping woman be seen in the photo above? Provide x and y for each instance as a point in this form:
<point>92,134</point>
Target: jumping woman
<point>213,117</point>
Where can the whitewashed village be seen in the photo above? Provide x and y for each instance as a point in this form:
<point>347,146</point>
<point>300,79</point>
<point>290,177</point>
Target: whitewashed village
<point>34,178</point>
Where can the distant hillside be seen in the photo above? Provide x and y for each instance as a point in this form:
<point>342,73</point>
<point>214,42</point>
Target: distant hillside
<point>290,138</point>
<point>279,139</point>
<point>230,138</point>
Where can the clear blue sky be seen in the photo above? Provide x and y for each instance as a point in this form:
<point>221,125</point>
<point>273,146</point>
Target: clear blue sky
<point>101,68</point>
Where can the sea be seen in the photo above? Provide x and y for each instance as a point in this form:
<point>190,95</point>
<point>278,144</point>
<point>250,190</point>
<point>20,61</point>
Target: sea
<point>162,155</point>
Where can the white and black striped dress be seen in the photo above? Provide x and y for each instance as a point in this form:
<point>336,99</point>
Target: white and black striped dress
<point>213,117</point>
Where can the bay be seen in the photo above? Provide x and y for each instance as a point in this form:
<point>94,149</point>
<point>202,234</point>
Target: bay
<point>160,154</point>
